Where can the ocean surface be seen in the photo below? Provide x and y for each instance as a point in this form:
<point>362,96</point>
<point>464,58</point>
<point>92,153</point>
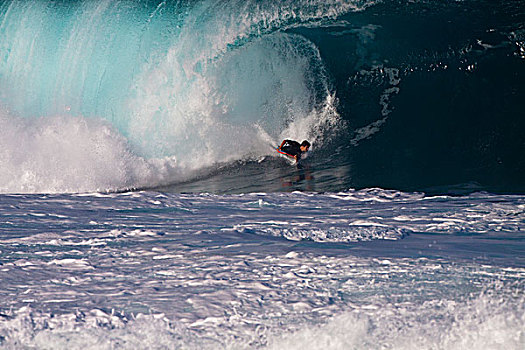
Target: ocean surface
<point>143,204</point>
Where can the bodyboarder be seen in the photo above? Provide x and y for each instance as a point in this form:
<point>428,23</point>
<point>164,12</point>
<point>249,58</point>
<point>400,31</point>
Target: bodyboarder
<point>293,149</point>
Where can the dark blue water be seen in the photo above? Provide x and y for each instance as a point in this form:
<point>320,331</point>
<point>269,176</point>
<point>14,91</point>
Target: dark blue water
<point>457,118</point>
<point>431,94</point>
<point>412,95</point>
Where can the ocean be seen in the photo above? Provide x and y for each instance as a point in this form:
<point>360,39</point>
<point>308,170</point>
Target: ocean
<point>143,204</point>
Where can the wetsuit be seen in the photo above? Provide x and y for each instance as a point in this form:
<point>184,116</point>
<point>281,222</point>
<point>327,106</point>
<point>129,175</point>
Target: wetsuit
<point>291,148</point>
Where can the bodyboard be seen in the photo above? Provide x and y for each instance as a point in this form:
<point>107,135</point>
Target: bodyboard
<point>285,155</point>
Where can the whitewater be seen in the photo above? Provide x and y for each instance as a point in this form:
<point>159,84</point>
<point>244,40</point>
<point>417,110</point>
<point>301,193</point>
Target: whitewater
<point>143,204</point>
<point>358,269</point>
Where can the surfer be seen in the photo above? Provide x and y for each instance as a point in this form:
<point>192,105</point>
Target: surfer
<point>294,149</point>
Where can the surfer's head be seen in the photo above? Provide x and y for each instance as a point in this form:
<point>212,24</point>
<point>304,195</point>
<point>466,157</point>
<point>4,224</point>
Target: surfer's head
<point>305,145</point>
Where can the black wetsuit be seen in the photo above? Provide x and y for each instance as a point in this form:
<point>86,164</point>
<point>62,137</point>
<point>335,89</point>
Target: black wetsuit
<point>292,148</point>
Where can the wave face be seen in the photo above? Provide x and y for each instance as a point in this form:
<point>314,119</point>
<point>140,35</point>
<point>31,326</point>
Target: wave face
<point>112,95</point>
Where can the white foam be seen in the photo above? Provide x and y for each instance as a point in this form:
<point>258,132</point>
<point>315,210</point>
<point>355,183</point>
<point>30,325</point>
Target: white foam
<point>207,104</point>
<point>483,323</point>
<point>64,154</point>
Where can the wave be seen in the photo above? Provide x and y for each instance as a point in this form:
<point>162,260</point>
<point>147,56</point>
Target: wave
<point>199,84</point>
<point>185,87</point>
